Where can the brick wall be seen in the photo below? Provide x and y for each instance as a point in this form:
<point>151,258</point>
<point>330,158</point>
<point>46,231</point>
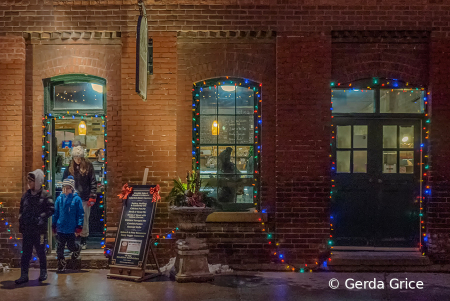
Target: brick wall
<point>289,15</point>
<point>404,61</point>
<point>201,58</point>
<point>438,222</point>
<point>302,145</point>
<point>12,75</point>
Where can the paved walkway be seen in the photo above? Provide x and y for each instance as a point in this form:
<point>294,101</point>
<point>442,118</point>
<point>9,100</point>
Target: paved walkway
<point>92,285</point>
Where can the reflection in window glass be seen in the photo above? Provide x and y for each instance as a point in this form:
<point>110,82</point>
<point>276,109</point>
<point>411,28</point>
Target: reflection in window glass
<point>208,129</point>
<point>244,157</point>
<point>208,159</point>
<point>344,138</point>
<point>389,136</point>
<point>406,162</point>
<point>208,100</point>
<point>226,97</point>
<point>244,191</point>
<point>209,184</point>
<point>401,101</point>
<point>359,161</point>
<point>407,136</point>
<point>80,96</point>
<point>343,161</point>
<point>227,187</point>
<point>226,162</point>
<point>226,129</point>
<point>389,162</point>
<point>360,136</point>
<point>244,101</point>
<point>353,101</point>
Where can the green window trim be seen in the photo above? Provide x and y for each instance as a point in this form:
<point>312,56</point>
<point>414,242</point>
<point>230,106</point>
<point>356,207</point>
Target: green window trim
<point>254,147</point>
<point>49,93</point>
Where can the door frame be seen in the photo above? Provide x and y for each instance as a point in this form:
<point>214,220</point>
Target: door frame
<point>378,84</point>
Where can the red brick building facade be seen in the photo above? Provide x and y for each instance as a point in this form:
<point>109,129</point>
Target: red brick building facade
<point>294,49</point>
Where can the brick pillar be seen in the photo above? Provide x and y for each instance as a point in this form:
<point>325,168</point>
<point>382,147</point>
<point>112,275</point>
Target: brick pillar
<point>438,207</point>
<point>303,146</point>
<point>12,78</point>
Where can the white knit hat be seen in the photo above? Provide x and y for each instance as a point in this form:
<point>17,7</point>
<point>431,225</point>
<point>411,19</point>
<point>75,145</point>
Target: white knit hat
<point>78,151</point>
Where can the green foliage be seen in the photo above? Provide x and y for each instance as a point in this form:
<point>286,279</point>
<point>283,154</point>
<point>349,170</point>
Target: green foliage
<point>191,193</point>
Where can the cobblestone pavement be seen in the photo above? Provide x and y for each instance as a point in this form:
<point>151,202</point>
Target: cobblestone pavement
<point>93,285</point>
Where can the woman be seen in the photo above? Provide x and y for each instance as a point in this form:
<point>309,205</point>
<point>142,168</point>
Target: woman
<point>85,184</point>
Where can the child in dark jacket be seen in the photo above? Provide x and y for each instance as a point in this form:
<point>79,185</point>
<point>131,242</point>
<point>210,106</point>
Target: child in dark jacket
<point>36,206</point>
<point>67,220</point>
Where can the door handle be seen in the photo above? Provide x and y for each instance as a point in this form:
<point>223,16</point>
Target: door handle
<point>380,181</point>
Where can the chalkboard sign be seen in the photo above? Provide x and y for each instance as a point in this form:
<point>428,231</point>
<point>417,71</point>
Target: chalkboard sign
<point>135,228</point>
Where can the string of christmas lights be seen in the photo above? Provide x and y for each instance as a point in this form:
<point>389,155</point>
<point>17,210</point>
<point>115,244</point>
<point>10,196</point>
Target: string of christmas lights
<point>46,137</point>
<point>424,164</point>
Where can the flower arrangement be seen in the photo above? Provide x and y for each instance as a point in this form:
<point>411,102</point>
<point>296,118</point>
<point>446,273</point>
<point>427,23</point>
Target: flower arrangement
<point>189,194</point>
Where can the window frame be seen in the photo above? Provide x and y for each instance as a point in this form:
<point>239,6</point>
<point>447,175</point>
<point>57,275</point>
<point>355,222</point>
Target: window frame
<point>49,92</point>
<point>257,122</point>
<point>377,84</point>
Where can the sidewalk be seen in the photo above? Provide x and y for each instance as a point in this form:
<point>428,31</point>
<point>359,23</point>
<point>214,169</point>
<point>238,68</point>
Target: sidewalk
<point>92,285</point>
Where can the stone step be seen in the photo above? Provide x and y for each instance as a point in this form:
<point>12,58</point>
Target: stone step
<point>90,259</point>
<point>347,261</point>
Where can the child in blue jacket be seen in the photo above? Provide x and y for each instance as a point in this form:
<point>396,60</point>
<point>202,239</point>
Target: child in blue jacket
<point>67,220</point>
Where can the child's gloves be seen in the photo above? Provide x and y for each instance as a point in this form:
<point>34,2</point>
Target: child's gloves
<point>78,229</point>
<point>91,202</point>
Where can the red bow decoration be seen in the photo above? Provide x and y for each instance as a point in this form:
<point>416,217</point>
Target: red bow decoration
<point>126,191</point>
<point>155,192</point>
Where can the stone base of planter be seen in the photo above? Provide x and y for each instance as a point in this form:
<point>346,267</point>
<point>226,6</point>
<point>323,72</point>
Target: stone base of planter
<point>191,264</point>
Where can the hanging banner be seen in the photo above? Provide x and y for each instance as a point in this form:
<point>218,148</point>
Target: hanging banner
<point>142,53</point>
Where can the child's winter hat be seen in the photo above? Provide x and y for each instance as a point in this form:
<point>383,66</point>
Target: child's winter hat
<point>78,151</point>
<point>69,182</point>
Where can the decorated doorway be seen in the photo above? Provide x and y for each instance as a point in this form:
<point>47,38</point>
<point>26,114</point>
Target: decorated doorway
<point>377,164</point>
<point>75,107</point>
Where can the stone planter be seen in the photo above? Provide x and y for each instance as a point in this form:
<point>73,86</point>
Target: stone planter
<point>191,264</point>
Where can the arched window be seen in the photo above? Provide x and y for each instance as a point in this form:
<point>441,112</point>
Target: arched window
<point>226,140</point>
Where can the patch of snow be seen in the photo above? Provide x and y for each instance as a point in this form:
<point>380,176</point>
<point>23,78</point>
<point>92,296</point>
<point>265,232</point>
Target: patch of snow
<point>213,268</point>
<point>4,267</point>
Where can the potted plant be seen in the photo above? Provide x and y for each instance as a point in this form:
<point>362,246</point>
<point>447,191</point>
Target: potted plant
<point>190,206</point>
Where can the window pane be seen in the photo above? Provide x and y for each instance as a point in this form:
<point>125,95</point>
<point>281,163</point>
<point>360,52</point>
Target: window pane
<point>245,159</point>
<point>245,101</point>
<point>389,136</point>
<point>389,162</point>
<point>209,129</point>
<point>208,159</point>
<point>226,129</point>
<point>244,129</point>
<point>226,189</point>
<point>353,101</point>
<point>208,101</point>
<point>360,136</point>
<point>344,138</point>
<point>401,101</point>
<point>343,161</point>
<point>406,162</point>
<point>209,183</point>
<point>226,98</point>
<point>244,191</point>
<point>226,163</point>
<point>79,96</point>
<point>359,161</point>
<point>407,136</point>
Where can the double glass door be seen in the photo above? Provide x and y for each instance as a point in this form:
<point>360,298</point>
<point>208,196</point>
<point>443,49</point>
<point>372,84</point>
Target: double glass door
<point>376,183</point>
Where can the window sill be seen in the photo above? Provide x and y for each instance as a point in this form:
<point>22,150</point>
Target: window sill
<point>237,217</point>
